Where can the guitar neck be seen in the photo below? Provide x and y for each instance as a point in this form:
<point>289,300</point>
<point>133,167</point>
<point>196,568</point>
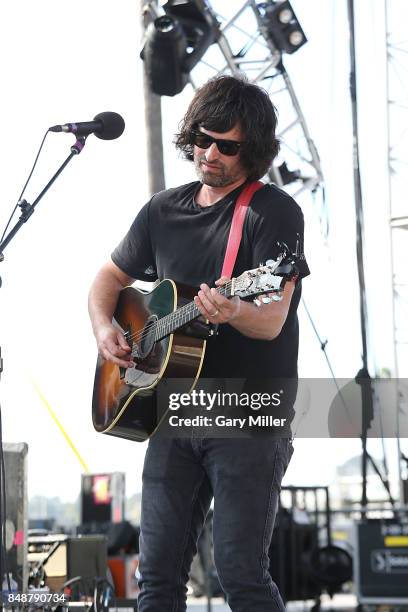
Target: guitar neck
<point>180,317</point>
<point>250,283</point>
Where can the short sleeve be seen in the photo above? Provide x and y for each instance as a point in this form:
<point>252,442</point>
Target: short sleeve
<point>134,254</point>
<point>278,221</point>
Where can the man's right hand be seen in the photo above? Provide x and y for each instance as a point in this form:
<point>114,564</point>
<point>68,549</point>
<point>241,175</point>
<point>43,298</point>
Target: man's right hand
<point>112,346</point>
<point>103,297</point>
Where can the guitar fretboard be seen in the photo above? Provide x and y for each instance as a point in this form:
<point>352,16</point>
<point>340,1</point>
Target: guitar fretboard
<point>173,321</point>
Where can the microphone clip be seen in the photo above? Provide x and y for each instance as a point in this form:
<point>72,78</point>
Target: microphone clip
<point>26,210</point>
<point>78,145</point>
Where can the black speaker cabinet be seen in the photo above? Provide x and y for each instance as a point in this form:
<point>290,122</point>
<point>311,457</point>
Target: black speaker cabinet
<point>62,558</point>
<point>381,561</point>
<point>15,464</point>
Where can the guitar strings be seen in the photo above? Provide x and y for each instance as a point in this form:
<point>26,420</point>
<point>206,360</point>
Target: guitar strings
<point>186,310</point>
<point>173,316</point>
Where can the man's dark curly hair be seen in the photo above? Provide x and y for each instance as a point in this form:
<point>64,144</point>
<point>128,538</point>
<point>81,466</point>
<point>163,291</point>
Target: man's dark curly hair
<point>221,104</point>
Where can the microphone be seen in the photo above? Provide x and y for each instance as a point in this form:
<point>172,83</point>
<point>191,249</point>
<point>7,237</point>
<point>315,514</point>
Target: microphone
<point>106,126</point>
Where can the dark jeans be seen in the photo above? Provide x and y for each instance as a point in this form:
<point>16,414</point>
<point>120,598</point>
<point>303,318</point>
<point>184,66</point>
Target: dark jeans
<point>180,478</point>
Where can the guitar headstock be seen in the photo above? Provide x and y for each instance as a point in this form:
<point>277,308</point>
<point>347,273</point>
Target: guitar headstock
<point>268,278</point>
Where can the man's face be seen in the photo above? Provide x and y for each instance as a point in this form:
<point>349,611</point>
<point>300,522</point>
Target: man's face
<point>215,169</point>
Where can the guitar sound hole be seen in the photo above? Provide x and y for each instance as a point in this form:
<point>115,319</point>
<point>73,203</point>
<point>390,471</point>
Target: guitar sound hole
<point>147,339</point>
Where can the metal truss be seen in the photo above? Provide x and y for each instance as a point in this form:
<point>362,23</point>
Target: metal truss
<point>397,127</point>
<point>397,120</point>
<point>243,46</point>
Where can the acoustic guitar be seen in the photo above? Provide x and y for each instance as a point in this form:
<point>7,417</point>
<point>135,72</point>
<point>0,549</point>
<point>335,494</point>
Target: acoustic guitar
<point>166,343</point>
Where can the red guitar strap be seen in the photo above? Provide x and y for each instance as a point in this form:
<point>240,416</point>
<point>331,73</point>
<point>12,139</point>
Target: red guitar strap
<point>237,224</point>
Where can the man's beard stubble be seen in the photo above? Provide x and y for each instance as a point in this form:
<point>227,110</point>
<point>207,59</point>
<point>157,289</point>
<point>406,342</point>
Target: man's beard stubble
<point>221,178</point>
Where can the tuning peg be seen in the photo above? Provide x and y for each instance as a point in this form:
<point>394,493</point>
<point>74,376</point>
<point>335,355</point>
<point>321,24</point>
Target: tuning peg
<point>277,297</point>
<point>285,248</point>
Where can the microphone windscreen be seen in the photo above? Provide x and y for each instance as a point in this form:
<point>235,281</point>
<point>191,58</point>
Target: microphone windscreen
<point>112,125</point>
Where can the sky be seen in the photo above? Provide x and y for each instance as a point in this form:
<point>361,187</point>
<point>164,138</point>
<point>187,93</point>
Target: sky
<point>65,62</point>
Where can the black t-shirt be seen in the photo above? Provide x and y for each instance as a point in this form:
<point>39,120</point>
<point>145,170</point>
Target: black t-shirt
<point>174,237</point>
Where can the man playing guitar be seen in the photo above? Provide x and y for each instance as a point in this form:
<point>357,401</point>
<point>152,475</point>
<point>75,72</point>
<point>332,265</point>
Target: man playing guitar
<point>181,233</point>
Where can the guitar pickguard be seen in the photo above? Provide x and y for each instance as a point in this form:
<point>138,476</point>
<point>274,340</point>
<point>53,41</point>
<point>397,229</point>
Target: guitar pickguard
<point>137,378</point>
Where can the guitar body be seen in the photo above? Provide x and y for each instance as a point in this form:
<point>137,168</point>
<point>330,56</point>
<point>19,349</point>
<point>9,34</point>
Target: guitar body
<point>124,402</point>
<point>167,338</point>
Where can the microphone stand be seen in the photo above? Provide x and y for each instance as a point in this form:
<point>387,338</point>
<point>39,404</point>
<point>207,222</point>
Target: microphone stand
<point>28,209</point>
<point>26,212</point>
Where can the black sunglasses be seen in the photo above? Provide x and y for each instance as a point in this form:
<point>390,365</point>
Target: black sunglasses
<point>225,147</point>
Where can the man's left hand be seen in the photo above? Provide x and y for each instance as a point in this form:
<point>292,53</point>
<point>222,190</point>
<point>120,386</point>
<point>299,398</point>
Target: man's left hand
<point>214,306</point>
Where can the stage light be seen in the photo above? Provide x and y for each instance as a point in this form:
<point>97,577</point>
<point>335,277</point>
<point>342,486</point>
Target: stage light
<point>285,16</point>
<point>295,38</point>
<point>288,176</point>
<point>164,53</point>
<point>175,43</point>
<point>282,25</point>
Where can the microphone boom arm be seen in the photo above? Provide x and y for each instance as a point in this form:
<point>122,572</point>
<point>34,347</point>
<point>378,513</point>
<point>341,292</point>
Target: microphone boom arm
<point>28,209</point>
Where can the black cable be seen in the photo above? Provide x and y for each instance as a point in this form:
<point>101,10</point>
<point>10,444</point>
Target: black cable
<point>25,185</point>
<point>106,592</point>
<point>323,345</point>
<point>97,582</point>
<point>77,580</point>
<point>3,551</point>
